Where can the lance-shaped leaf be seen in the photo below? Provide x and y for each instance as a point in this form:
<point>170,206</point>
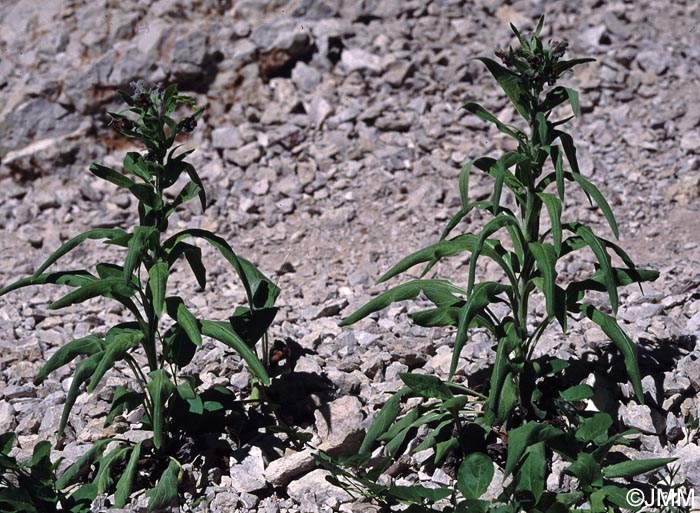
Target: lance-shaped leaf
<point>157,282</point>
<point>104,478</point>
<point>160,388</point>
<point>401,293</point>
<point>67,353</point>
<point>108,287</point>
<point>632,468</point>
<point>224,333</point>
<point>504,219</point>
<point>126,481</point>
<point>553,206</point>
<point>165,491</point>
<point>603,259</point>
<point>511,84</point>
<point>246,274</point>
<point>117,347</point>
<point>426,385</point>
<point>546,258</point>
<point>186,320</point>
<point>83,464</point>
<point>483,295</point>
<point>100,233</point>
<point>137,243</point>
<point>386,416</point>
<point>531,476</point>
<point>135,164</point>
<point>622,342</point>
<point>70,278</point>
<point>520,438</point>
<point>83,372</point>
<point>446,248</point>
<point>482,113</point>
<point>593,192</point>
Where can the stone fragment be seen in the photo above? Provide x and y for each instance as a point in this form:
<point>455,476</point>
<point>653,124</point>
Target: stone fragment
<point>339,425</point>
<point>281,471</point>
<point>314,493</point>
<point>357,59</point>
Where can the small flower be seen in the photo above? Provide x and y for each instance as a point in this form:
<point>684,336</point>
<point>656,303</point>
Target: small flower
<point>123,124</point>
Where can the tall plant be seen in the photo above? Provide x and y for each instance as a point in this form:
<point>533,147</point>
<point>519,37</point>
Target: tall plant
<point>529,259</point>
<point>162,328</point>
<point>532,423</point>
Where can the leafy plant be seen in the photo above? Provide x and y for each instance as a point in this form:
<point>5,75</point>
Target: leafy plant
<point>162,328</point>
<point>526,249</point>
<point>32,487</point>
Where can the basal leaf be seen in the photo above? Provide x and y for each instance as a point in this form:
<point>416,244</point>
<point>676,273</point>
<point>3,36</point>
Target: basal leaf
<point>633,468</point>
<point>427,385</point>
<point>165,491</point>
<point>474,475</point>
<point>126,481</point>
<point>386,416</point>
<point>520,438</point>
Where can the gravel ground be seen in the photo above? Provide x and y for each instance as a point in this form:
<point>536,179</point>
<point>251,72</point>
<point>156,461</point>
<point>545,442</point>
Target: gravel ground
<point>330,148</point>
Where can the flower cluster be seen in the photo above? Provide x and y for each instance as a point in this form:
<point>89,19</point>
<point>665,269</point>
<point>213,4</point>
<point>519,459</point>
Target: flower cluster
<point>535,63</point>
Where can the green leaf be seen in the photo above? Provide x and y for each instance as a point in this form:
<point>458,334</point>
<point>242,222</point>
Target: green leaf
<point>600,200</point>
<point>442,449</point>
<point>178,349</point>
<point>386,416</point>
<point>157,281</point>
<point>520,438</point>
<point>633,468</point>
<point>603,259</point>
<point>577,393</point>
<point>623,343</point>
<point>586,469</point>
<point>117,347</point>
<point>67,353</point>
<point>165,491</point>
<point>542,129</point>
<point>160,388</point>
<point>124,399</point>
<point>562,66</point>
<point>491,227</point>
<point>554,210</point>
<point>482,113</point>
<point>546,258</point>
<point>126,481</point>
<point>187,321</point>
<point>135,164</point>
<point>483,295</point>
<point>251,325</point>
<point>224,333</point>
<point>511,84</point>
<point>137,243</point>
<point>573,100</point>
<point>402,293</point>
<point>198,181</point>
<point>530,477</point>
<point>70,278</point>
<point>427,386</point>
<point>100,233</point>
<point>474,475</point>
<point>417,493</point>
<point>248,274</point>
<point>111,175</point>
<point>594,429</point>
<point>83,372</point>
<point>107,287</point>
<point>103,478</point>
